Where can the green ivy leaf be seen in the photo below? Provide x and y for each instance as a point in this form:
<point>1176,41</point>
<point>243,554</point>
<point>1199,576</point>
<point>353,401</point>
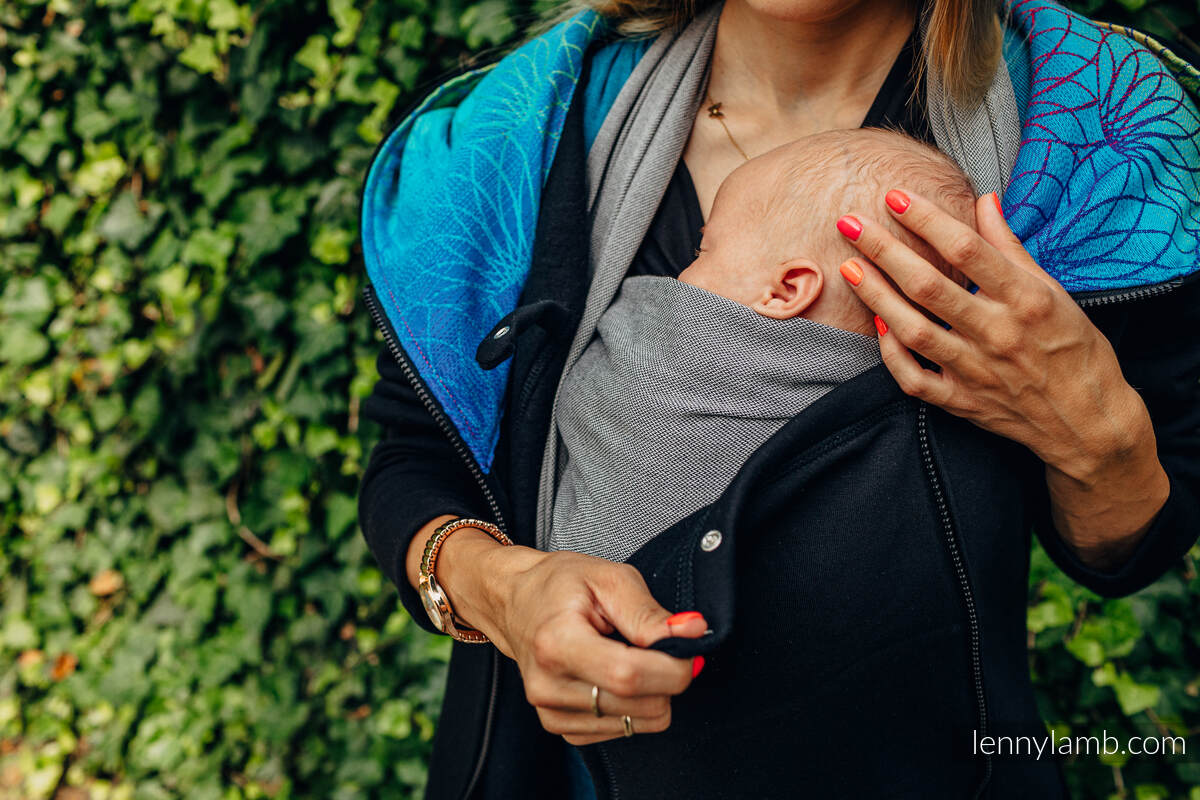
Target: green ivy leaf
<point>347,18</point>
<point>102,168</point>
<point>201,55</point>
<point>20,345</point>
<point>332,245</point>
<point>125,224</point>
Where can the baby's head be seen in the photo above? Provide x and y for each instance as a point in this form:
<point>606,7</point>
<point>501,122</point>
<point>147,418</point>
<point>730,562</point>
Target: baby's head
<point>771,243</point>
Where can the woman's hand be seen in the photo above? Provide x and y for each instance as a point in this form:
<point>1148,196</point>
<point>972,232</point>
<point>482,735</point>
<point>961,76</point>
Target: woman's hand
<point>549,612</point>
<point>1021,360</point>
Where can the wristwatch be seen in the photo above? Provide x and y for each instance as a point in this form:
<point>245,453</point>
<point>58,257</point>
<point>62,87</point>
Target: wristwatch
<point>437,605</point>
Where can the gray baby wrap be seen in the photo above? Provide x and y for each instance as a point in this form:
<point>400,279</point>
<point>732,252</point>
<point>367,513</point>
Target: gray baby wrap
<point>678,388</point>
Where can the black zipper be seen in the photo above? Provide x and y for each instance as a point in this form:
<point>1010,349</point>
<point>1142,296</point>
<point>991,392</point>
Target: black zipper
<point>964,584</point>
<point>1105,298</point>
<point>613,794</point>
<point>447,427</point>
<point>460,447</point>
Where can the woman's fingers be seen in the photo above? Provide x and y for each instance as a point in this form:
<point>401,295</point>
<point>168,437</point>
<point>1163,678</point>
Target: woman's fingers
<point>579,651</point>
<point>902,320</point>
<point>913,379</point>
<point>919,280</point>
<point>584,723</point>
<point>571,694</point>
<point>958,243</point>
<point>616,729</point>
<point>560,624</point>
<point>625,602</point>
<point>993,227</point>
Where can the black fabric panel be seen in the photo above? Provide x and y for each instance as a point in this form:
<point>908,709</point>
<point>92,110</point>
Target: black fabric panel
<point>1157,341</point>
<point>413,476</point>
<point>559,276</point>
<point>839,663</point>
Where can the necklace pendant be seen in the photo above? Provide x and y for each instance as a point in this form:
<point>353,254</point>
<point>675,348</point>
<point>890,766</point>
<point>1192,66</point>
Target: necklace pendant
<point>715,112</point>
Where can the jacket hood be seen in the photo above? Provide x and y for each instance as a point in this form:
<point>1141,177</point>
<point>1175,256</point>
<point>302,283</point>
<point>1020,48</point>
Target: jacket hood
<point>1103,193</point>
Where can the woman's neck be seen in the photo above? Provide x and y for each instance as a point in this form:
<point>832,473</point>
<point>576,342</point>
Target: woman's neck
<point>823,67</point>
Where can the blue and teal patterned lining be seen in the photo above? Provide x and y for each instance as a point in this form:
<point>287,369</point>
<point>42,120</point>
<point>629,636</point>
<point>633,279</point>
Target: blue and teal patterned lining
<point>1105,188</point>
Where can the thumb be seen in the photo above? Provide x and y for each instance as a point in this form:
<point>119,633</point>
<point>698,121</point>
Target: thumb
<point>993,227</point>
<point>634,612</point>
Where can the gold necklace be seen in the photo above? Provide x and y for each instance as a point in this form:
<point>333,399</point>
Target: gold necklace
<point>715,112</point>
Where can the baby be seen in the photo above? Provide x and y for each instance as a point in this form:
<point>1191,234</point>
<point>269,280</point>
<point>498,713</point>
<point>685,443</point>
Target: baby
<point>771,243</point>
<point>687,378</point>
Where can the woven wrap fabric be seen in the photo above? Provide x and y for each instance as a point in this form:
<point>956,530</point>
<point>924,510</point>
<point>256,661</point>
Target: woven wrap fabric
<point>1103,192</point>
<point>679,387</point>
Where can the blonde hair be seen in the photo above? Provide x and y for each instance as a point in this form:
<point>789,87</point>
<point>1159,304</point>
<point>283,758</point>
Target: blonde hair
<point>962,42</point>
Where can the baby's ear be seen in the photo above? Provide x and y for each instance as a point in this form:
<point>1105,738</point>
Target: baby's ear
<point>794,286</point>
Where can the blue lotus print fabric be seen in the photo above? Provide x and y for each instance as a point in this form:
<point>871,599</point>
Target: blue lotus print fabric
<point>1104,193</point>
<point>449,212</point>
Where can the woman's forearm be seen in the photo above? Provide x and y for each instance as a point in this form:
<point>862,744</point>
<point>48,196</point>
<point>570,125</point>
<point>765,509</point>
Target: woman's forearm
<point>1104,501</point>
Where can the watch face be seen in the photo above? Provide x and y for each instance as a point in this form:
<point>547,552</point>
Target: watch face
<point>429,597</point>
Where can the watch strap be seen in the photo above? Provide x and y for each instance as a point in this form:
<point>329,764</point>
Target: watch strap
<point>429,565</point>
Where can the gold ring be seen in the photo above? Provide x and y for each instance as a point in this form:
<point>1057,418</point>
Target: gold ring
<point>628,723</point>
<point>596,700</point>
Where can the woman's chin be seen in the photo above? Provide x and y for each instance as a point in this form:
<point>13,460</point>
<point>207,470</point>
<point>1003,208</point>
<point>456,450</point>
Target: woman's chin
<point>803,12</point>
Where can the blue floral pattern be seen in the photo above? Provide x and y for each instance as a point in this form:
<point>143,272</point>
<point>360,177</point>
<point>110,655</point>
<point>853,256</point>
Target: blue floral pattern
<point>1104,193</point>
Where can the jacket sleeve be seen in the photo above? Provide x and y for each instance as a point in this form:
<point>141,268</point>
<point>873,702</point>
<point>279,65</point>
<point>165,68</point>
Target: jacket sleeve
<point>1157,341</point>
<point>413,476</point>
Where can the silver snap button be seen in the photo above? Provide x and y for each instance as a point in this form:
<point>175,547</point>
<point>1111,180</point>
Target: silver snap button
<point>710,541</point>
<point>500,334</point>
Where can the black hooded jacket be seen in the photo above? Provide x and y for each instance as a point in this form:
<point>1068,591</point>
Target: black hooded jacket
<point>875,551</point>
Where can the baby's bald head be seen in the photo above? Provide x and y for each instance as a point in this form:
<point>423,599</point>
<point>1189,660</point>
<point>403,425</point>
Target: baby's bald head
<point>784,205</point>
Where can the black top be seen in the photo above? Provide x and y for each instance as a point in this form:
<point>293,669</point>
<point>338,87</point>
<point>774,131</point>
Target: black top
<point>674,235</point>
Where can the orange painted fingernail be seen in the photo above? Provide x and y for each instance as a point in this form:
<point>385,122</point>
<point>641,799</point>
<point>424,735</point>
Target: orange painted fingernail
<point>897,201</point>
<point>849,227</point>
<point>880,325</point>
<point>996,200</point>
<point>851,272</point>
<point>697,665</point>
<point>682,617</point>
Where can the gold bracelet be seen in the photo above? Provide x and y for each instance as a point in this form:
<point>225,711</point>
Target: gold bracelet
<point>437,605</point>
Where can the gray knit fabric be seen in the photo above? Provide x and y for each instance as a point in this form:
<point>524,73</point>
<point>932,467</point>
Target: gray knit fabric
<point>679,387</point>
<point>628,168</point>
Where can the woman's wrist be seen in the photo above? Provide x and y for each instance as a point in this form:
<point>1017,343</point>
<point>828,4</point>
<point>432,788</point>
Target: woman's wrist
<point>1113,435</point>
<point>1105,498</point>
<point>475,572</point>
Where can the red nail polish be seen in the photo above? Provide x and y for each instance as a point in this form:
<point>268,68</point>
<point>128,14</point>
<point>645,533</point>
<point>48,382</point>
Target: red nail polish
<point>897,201</point>
<point>682,617</point>
<point>849,227</point>
<point>996,199</point>
<point>697,665</point>
<point>880,325</point>
<point>851,272</point>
